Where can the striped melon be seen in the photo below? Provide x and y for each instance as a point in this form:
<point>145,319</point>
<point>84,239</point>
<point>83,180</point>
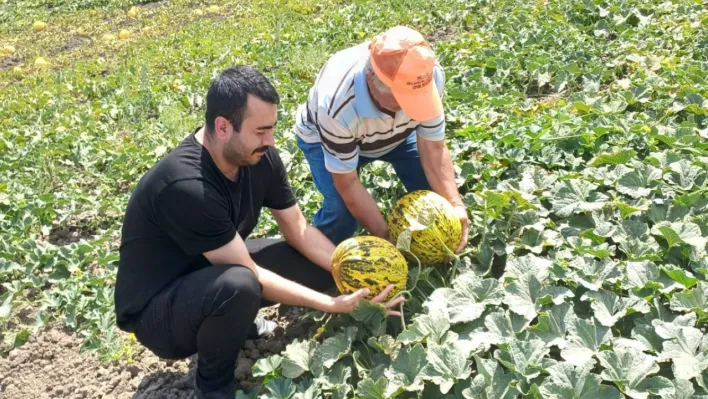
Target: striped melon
<point>419,209</point>
<point>368,262</point>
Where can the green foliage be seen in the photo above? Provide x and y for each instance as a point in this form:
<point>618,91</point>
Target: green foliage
<point>578,129</point>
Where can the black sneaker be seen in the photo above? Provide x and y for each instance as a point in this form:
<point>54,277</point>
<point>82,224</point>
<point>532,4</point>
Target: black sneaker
<point>261,328</point>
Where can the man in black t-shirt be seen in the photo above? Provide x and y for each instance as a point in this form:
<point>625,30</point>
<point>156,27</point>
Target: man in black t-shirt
<point>189,281</point>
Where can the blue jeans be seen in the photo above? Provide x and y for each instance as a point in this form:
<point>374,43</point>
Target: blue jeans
<point>333,219</point>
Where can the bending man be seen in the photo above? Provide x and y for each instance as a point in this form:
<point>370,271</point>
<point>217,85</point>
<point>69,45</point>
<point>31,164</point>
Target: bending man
<point>379,100</point>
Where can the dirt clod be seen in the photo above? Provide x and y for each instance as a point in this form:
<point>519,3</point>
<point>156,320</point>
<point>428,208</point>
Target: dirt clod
<point>50,365</point>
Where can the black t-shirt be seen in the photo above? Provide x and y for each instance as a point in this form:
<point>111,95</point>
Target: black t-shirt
<point>185,206</point>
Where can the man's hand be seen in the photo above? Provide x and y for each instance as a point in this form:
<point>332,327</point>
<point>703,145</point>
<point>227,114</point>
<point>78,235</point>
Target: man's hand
<point>461,213</point>
<point>347,303</point>
<point>440,172</point>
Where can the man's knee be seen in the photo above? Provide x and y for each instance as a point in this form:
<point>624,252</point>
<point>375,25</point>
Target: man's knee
<point>237,286</point>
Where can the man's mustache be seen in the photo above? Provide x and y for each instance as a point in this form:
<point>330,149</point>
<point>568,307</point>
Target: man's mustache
<point>261,149</point>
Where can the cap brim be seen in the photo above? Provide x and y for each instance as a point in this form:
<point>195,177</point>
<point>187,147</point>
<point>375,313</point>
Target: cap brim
<point>423,106</point>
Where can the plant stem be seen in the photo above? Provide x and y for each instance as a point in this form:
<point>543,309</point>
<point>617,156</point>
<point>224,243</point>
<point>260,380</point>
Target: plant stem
<point>414,285</point>
<point>465,253</point>
<point>454,270</point>
<point>323,328</point>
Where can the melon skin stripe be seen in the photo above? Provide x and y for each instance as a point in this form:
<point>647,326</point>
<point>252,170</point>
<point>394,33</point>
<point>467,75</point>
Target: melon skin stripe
<point>426,208</point>
<point>369,262</point>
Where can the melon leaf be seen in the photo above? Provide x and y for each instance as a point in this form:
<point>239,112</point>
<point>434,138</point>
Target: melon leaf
<point>553,325</point>
<point>609,307</point>
<point>576,382</point>
<point>695,299</point>
<point>447,364</point>
<point>630,369</point>
<point>593,273</point>
<point>337,379</point>
<point>373,315</point>
<point>523,357</point>
<point>522,296</point>
<point>266,366</point>
<point>406,373</point>
<point>683,389</point>
<point>281,388</point>
<point>615,158</point>
<point>492,382</point>
<point>297,358</point>
<point>585,336</point>
<point>687,350</point>
<point>368,388</point>
<point>331,350</point>
<point>576,196</point>
<point>468,299</point>
<point>430,328</point>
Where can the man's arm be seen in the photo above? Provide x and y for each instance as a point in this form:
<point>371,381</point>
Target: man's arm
<point>308,240</point>
<point>281,290</point>
<point>437,164</point>
<point>360,203</point>
<point>341,157</point>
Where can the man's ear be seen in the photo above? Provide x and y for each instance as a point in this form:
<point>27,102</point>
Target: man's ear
<point>369,75</point>
<point>221,128</point>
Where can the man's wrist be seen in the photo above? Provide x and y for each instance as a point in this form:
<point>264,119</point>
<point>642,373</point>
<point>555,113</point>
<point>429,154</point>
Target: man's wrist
<point>456,202</point>
<point>382,232</point>
<point>323,303</point>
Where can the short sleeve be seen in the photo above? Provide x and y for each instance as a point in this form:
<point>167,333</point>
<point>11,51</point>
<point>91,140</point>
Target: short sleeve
<point>434,129</point>
<point>341,152</point>
<point>279,193</point>
<point>195,215</point>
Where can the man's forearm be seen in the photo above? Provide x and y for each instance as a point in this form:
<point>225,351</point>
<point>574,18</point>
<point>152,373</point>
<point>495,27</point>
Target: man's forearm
<point>439,170</point>
<point>316,247</point>
<point>365,209</point>
<point>280,290</point>
<point>307,240</point>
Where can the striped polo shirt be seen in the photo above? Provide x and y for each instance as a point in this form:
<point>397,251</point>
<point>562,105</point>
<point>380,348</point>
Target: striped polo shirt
<point>340,114</point>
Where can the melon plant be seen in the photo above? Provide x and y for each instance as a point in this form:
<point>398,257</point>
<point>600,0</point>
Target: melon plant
<point>582,158</point>
<point>368,262</point>
<point>430,218</point>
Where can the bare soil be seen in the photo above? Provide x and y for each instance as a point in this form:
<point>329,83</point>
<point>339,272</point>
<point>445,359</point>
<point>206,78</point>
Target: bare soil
<point>9,62</point>
<point>80,226</point>
<point>50,365</point>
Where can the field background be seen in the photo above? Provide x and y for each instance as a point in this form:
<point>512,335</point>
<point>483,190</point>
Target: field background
<point>579,133</point>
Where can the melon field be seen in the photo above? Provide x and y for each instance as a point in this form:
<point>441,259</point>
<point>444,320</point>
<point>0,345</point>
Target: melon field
<point>579,132</point>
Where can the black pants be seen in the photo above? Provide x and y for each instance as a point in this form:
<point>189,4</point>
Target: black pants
<point>210,311</point>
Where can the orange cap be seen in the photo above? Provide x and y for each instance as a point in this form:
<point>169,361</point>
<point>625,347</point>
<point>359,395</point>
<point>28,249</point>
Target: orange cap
<point>404,62</point>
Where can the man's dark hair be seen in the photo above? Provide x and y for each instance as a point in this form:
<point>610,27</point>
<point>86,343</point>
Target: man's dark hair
<point>229,92</point>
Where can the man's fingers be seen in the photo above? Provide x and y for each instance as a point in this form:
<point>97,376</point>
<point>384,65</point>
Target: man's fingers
<point>463,241</point>
<point>397,302</point>
<point>383,294</point>
<point>359,294</point>
<point>465,235</point>
<point>393,313</point>
<point>462,244</point>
